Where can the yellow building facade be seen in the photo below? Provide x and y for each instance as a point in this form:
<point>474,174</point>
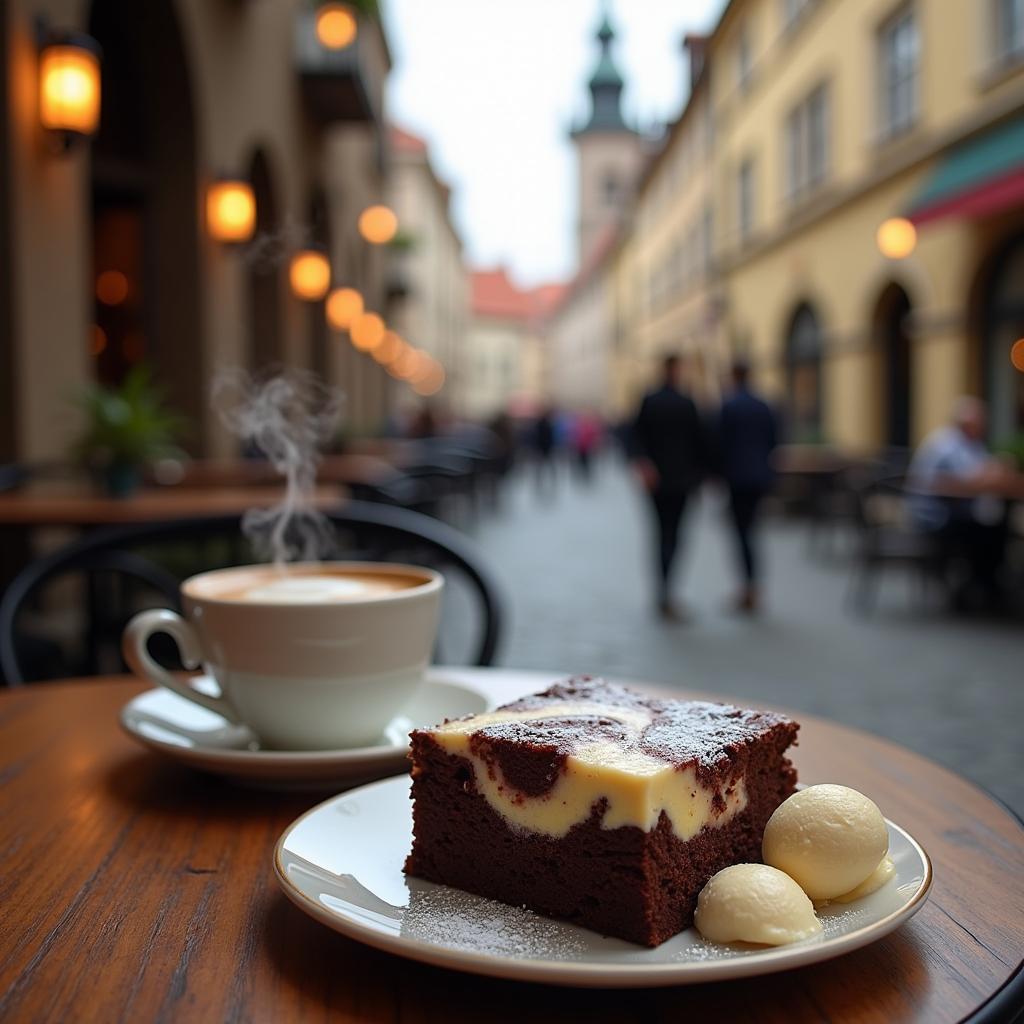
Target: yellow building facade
<point>662,273</point>
<point>831,117</point>
<point>825,119</point>
<point>429,278</point>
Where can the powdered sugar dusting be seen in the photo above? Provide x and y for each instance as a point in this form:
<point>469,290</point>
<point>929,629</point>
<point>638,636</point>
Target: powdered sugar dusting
<point>459,920</point>
<point>681,733</point>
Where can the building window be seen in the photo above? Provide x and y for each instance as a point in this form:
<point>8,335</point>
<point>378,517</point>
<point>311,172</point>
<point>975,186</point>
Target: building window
<point>898,57</point>
<point>610,188</point>
<point>807,144</point>
<point>745,198</point>
<point>744,62</point>
<point>1007,30</point>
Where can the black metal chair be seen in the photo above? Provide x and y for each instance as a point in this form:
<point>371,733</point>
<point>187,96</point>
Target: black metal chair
<point>886,538</point>
<point>126,568</point>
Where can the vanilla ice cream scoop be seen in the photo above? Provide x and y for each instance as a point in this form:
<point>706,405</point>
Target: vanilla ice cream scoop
<point>754,903</point>
<point>828,838</point>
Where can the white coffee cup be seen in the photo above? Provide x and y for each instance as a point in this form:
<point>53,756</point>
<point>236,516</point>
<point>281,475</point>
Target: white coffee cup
<point>311,656</point>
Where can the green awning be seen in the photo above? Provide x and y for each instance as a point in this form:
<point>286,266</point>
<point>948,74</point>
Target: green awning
<point>980,176</point>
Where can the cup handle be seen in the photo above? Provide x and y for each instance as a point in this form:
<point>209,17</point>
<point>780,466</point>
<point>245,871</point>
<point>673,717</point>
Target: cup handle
<point>163,620</point>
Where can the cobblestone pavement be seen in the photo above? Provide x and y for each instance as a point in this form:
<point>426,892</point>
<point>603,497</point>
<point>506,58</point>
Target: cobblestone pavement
<point>574,566</point>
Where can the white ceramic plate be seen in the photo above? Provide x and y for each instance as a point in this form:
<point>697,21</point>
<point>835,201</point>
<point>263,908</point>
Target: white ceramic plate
<point>341,863</point>
<point>171,725</point>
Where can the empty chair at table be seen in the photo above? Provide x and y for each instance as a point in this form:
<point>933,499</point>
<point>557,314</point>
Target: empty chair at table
<point>126,569</point>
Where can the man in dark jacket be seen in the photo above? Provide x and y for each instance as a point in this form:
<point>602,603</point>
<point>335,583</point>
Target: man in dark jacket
<point>747,435</point>
<point>669,457</point>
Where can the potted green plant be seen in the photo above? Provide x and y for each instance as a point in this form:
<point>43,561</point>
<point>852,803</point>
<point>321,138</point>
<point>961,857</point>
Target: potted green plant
<point>1014,448</point>
<point>127,428</point>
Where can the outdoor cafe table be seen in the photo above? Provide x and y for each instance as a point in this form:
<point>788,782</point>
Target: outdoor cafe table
<point>347,470</point>
<point>135,889</point>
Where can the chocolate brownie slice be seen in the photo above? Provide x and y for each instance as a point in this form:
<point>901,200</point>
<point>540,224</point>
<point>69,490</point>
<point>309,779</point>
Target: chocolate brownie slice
<point>591,803</point>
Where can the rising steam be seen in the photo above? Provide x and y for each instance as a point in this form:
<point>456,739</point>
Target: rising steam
<point>287,417</point>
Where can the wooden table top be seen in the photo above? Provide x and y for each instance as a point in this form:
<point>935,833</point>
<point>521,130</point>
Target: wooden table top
<point>67,505</point>
<point>344,469</point>
<point>135,889</point>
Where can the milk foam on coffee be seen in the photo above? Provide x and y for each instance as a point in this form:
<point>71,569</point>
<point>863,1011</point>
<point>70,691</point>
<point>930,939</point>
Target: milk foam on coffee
<point>317,589</point>
<point>304,584</point>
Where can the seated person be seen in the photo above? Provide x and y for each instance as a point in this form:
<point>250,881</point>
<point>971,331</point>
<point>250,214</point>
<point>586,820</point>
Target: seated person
<point>951,479</point>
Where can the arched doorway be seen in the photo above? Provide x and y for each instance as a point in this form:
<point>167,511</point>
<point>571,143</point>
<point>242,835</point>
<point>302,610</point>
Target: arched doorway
<point>1003,324</point>
<point>890,330</point>
<point>803,376</point>
<point>264,267</point>
<point>145,244</point>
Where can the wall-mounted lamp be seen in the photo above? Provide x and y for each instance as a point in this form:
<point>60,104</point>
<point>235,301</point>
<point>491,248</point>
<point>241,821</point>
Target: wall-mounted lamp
<point>378,224</point>
<point>407,363</point>
<point>389,348</point>
<point>429,380</point>
<point>367,331</point>
<point>69,86</point>
<point>336,26</point>
<point>1017,355</point>
<point>896,238</point>
<point>230,210</point>
<point>310,275</point>
<point>343,306</point>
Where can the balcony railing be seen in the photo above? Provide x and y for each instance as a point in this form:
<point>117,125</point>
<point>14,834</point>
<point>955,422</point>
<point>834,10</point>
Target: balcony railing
<point>338,85</point>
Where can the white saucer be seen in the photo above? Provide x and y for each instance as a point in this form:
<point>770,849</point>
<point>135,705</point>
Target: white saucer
<point>341,863</point>
<point>171,725</point>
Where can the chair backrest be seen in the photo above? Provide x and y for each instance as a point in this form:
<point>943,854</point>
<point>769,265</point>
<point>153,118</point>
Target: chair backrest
<point>882,503</point>
<point>157,556</point>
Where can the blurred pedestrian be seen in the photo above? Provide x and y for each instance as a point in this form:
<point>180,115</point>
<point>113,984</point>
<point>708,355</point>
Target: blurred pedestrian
<point>586,439</point>
<point>669,456</point>
<point>746,437</point>
<point>954,482</point>
<point>502,427</point>
<point>544,450</point>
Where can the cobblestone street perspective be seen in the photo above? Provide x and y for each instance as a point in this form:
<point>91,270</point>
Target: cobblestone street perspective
<point>575,567</point>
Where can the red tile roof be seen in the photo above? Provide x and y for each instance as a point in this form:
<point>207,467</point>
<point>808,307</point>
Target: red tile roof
<point>494,294</point>
<point>405,142</point>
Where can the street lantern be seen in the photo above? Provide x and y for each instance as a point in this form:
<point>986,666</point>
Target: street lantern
<point>389,348</point>
<point>231,210</point>
<point>343,306</point>
<point>1017,355</point>
<point>69,87</point>
<point>408,362</point>
<point>896,238</point>
<point>367,331</point>
<point>336,26</point>
<point>378,224</point>
<point>310,275</point>
<point>430,381</point>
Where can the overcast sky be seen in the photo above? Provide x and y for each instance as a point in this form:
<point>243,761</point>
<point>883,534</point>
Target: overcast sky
<point>494,86</point>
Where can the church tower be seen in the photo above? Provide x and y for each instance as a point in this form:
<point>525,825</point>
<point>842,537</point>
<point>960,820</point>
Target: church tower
<point>608,150</point>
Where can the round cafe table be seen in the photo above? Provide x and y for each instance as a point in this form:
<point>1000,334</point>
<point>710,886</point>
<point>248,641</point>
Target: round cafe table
<point>135,889</point>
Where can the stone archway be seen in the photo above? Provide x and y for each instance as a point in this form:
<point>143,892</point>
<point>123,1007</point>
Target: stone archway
<point>264,271</point>
<point>1002,323</point>
<point>803,365</point>
<point>892,342</point>
<point>143,188</point>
